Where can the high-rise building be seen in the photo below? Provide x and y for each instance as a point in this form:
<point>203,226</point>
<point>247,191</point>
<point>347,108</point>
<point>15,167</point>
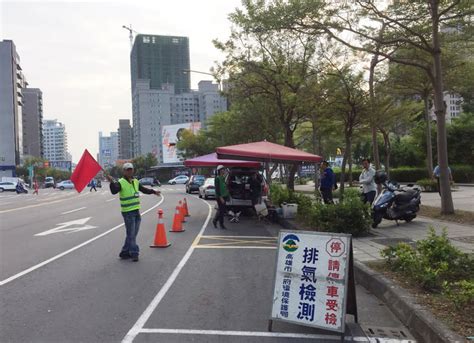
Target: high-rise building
<point>125,140</point>
<point>155,108</point>
<point>161,59</point>
<point>33,122</point>
<point>12,82</point>
<point>453,102</point>
<point>55,141</point>
<point>108,149</point>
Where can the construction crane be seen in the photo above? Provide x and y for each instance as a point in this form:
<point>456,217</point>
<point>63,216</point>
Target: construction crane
<point>131,31</point>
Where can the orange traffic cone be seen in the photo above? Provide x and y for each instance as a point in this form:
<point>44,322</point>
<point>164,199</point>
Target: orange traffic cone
<point>177,222</point>
<point>160,235</point>
<point>181,211</point>
<point>186,210</point>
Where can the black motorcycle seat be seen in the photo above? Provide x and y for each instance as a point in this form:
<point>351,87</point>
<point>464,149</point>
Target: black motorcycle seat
<point>405,196</point>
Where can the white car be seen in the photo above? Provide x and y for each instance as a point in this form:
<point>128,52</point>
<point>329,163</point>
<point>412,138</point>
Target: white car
<point>7,186</point>
<point>207,190</point>
<point>179,180</point>
<point>66,184</point>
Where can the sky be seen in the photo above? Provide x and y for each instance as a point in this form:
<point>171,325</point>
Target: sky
<point>78,54</point>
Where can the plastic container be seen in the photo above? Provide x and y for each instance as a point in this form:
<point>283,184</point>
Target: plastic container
<point>289,210</point>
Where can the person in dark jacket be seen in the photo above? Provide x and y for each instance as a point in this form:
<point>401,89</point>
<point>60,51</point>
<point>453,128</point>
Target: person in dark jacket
<point>328,182</point>
<point>128,187</point>
<point>222,195</point>
<point>256,188</point>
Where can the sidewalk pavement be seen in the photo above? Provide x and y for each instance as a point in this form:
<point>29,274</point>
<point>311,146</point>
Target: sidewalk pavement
<point>389,234</point>
<point>463,196</point>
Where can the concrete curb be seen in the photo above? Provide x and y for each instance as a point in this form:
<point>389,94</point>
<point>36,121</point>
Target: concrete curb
<point>420,321</point>
<point>417,319</point>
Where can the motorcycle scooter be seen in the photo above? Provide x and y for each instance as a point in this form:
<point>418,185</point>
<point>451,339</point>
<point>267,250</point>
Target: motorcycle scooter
<point>395,202</point>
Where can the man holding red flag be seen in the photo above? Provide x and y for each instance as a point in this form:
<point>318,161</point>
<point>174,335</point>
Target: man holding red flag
<point>128,187</point>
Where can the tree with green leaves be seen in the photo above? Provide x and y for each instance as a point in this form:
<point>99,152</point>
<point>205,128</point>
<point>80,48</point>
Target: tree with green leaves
<point>413,25</point>
<point>269,71</point>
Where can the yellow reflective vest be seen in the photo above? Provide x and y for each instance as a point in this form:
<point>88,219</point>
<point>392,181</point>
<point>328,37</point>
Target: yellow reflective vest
<point>129,195</point>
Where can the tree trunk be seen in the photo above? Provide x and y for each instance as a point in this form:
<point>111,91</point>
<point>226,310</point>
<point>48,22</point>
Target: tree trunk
<point>348,143</point>
<point>429,149</point>
<point>373,125</point>
<point>447,206</point>
<point>386,141</point>
<point>291,178</point>
<point>349,178</point>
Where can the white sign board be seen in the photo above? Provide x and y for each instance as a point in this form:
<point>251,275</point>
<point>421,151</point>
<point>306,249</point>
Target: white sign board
<point>311,279</point>
<point>171,136</point>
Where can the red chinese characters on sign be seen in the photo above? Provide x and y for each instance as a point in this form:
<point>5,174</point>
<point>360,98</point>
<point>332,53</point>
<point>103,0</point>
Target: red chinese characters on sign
<point>335,247</point>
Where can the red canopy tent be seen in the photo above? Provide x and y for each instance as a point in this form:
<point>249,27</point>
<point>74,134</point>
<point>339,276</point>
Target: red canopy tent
<point>266,152</point>
<point>211,160</point>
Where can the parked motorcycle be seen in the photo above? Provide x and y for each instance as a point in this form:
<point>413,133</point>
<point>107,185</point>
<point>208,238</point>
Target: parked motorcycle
<point>395,202</point>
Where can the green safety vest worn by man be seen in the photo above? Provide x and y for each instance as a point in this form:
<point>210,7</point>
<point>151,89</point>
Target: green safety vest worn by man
<point>129,196</point>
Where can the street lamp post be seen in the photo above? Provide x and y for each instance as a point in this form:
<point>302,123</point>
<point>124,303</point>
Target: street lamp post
<point>205,73</point>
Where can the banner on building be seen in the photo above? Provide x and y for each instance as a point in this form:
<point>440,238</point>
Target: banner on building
<point>311,279</point>
<point>171,135</point>
<point>61,165</point>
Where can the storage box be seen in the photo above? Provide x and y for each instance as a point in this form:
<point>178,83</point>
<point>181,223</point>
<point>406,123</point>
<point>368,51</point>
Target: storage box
<point>289,210</point>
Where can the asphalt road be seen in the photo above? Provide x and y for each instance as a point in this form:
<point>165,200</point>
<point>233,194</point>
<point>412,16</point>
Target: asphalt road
<point>61,279</point>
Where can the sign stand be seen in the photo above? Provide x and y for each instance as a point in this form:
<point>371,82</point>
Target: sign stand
<point>321,290</point>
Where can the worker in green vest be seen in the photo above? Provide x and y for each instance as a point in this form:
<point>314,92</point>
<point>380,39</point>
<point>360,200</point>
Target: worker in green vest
<point>128,187</point>
<point>222,196</point>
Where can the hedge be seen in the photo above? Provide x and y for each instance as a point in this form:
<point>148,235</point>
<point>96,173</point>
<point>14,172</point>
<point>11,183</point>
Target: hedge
<point>461,174</point>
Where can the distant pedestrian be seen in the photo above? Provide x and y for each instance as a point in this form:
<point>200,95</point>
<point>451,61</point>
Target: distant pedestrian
<point>93,186</point>
<point>437,174</point>
<point>328,182</point>
<point>366,179</point>
<point>222,195</point>
<point>128,187</point>
<point>36,187</point>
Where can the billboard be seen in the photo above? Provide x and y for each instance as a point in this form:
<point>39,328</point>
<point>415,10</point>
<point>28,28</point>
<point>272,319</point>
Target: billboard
<point>61,165</point>
<point>171,135</point>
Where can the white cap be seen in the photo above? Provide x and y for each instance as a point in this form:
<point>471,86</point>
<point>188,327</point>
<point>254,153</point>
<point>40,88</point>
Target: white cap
<point>219,167</point>
<point>127,166</point>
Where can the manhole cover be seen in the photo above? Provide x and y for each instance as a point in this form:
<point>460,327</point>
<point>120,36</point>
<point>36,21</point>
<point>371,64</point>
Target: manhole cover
<point>390,242</point>
<point>388,333</point>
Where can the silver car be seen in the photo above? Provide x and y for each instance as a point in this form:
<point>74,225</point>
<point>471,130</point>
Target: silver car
<point>181,179</point>
<point>67,184</point>
<point>207,190</point>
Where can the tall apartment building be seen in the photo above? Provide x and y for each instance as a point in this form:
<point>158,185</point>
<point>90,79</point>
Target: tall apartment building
<point>161,59</point>
<point>33,122</point>
<point>108,149</point>
<point>55,141</point>
<point>154,108</point>
<point>12,82</point>
<point>453,102</point>
<point>125,140</point>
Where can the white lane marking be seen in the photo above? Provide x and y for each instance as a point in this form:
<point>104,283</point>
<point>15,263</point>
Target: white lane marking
<point>77,209</point>
<point>110,200</point>
<point>65,227</point>
<point>231,247</point>
<point>39,265</point>
<point>242,333</point>
<point>138,326</point>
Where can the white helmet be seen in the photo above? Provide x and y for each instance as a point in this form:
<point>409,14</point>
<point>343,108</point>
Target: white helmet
<point>219,167</point>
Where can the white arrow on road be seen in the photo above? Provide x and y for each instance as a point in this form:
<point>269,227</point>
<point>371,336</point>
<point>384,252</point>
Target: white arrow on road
<point>66,227</point>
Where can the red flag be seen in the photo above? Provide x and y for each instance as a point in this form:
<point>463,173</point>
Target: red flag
<point>85,170</point>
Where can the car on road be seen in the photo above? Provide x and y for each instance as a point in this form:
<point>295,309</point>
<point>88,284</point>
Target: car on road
<point>207,189</point>
<point>179,180</point>
<point>49,182</point>
<point>7,186</point>
<point>149,181</point>
<point>66,184</point>
<point>195,181</point>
